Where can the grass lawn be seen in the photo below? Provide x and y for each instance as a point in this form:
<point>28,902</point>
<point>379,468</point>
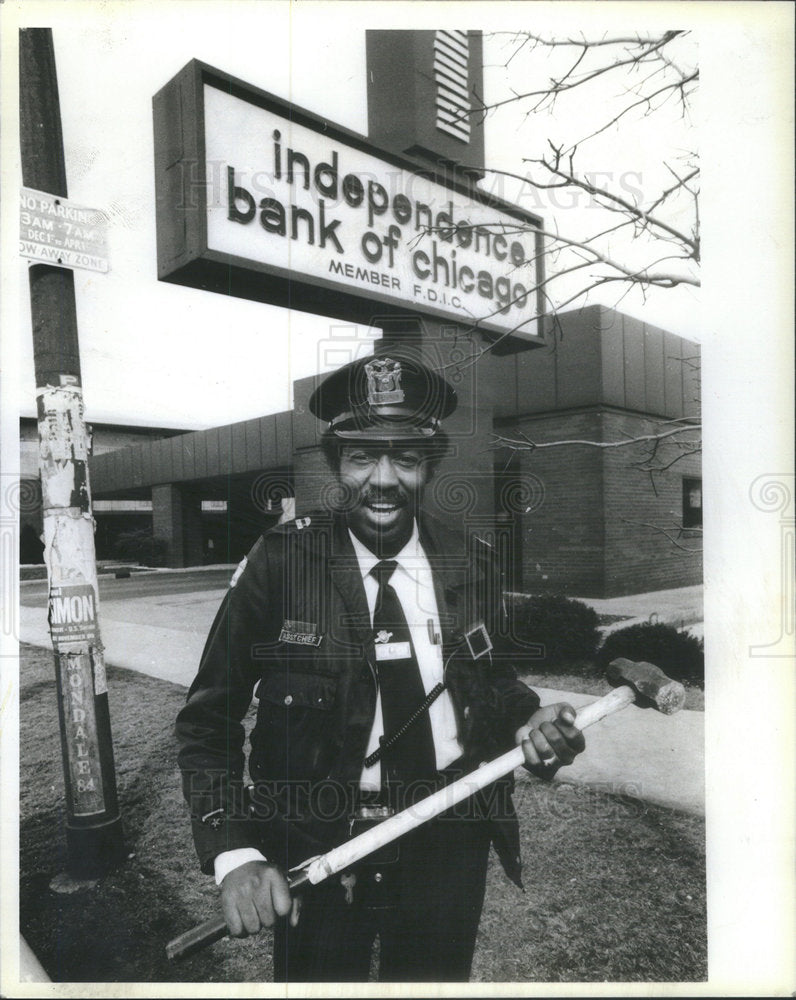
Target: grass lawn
<point>614,889</point>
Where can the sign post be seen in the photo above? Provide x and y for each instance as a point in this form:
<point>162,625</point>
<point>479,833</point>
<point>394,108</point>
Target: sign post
<point>94,834</point>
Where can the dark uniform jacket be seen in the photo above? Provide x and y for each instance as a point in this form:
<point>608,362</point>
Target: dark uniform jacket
<point>295,625</point>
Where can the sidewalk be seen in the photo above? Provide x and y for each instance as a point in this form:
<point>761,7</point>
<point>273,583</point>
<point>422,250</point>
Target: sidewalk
<point>680,607</point>
<point>642,753</point>
<point>160,636</point>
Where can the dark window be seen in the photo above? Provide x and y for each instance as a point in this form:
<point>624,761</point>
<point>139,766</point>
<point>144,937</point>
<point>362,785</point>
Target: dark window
<point>692,503</point>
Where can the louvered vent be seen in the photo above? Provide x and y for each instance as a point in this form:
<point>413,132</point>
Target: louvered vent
<point>451,55</point>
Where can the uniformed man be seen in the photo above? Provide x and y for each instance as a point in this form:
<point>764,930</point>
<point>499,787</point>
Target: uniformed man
<point>384,666</point>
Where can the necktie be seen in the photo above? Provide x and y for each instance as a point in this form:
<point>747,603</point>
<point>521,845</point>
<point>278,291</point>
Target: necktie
<point>412,756</point>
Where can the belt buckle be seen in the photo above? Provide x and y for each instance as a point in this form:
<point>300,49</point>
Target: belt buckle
<point>365,817</point>
<point>376,814</point>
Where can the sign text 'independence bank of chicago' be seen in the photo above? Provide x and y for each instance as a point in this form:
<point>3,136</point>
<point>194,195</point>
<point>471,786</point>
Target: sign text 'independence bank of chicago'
<point>301,201</point>
<point>259,198</point>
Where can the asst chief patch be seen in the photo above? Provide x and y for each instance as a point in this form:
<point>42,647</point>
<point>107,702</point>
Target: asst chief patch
<point>300,633</point>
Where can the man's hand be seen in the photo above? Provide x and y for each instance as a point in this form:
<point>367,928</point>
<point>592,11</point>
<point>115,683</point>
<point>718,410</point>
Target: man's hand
<point>550,739</point>
<point>253,896</point>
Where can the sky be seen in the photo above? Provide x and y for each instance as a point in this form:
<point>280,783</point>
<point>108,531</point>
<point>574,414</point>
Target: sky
<point>159,354</point>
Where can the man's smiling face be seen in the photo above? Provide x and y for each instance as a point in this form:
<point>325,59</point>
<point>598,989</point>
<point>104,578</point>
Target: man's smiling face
<point>387,485</point>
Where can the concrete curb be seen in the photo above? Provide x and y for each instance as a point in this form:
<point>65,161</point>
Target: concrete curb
<point>146,571</point>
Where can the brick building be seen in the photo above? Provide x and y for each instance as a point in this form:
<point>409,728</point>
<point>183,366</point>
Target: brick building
<point>604,522</point>
<point>603,518</point>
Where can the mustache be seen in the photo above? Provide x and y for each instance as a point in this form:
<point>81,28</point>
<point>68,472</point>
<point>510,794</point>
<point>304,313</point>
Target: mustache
<point>391,495</point>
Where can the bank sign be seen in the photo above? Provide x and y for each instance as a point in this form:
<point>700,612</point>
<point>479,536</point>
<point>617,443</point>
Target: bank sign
<point>261,199</point>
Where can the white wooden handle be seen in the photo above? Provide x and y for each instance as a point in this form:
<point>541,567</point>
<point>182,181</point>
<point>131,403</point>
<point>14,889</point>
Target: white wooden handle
<point>371,840</point>
<point>612,702</point>
<point>318,869</point>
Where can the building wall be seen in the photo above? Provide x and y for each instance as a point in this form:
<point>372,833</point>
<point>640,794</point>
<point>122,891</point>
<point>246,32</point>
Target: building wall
<point>562,533</point>
<point>599,525</point>
<point>248,446</point>
<point>645,546</point>
<point>597,355</point>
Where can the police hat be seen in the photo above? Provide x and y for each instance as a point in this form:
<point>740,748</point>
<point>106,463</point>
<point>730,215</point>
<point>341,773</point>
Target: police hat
<point>389,396</point>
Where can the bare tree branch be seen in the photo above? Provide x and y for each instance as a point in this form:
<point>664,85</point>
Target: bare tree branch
<point>647,99</point>
<point>646,51</point>
<point>611,202</point>
<point>650,70</point>
<point>569,179</point>
<point>581,42</point>
<point>672,533</point>
<point>526,444</point>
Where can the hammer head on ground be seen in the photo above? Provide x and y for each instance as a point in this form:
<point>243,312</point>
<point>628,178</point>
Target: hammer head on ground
<point>650,682</point>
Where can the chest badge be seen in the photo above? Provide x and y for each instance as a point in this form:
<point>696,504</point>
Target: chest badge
<point>383,636</point>
<point>478,641</point>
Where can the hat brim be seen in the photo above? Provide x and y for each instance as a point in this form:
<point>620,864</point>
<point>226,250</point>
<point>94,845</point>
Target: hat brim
<point>385,434</point>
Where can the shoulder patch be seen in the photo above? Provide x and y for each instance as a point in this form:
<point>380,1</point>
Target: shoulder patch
<point>241,567</point>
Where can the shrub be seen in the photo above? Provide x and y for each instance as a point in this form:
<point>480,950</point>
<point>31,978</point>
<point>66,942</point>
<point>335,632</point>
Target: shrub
<point>142,546</point>
<point>565,628</point>
<point>678,654</point>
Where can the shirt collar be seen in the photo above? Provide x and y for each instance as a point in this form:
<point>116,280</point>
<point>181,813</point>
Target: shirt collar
<point>406,558</point>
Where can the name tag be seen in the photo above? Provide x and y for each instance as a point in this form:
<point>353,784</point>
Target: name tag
<point>393,651</point>
<point>300,633</point>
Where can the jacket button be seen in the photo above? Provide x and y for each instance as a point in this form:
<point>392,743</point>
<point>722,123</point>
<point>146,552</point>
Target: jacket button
<point>288,699</point>
<point>378,877</point>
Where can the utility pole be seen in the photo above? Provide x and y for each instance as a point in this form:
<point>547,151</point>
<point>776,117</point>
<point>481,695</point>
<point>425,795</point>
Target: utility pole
<point>94,835</point>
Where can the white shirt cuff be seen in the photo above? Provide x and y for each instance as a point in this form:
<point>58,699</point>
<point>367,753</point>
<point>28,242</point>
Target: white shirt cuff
<point>228,861</point>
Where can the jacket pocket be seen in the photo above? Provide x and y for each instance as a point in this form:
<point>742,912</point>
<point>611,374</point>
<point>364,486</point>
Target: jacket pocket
<point>292,737</point>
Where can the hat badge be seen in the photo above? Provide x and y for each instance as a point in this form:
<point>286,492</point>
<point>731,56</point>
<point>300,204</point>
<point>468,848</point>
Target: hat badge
<point>384,382</point>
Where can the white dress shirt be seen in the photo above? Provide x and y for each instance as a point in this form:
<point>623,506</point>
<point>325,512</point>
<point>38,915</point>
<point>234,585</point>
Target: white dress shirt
<point>414,585</point>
